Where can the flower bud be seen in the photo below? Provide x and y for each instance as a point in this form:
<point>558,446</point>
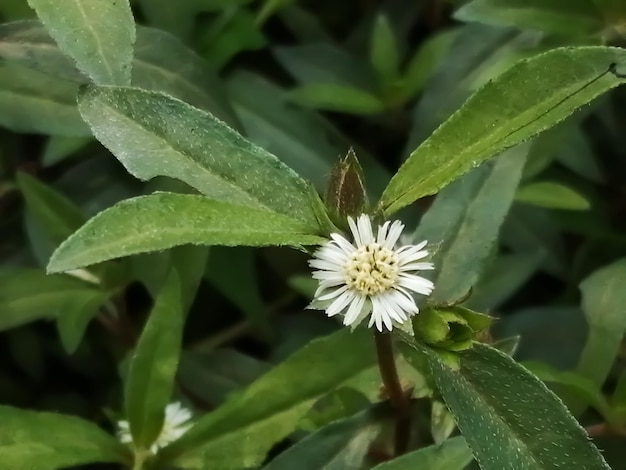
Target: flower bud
<point>345,194</point>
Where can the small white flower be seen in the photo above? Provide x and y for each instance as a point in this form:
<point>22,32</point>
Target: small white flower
<point>175,424</point>
<point>370,275</point>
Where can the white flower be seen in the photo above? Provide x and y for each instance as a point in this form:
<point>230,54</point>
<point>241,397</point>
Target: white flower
<point>175,424</point>
<point>370,275</point>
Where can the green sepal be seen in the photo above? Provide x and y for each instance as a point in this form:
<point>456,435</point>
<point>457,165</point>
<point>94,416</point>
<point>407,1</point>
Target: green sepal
<point>345,194</point>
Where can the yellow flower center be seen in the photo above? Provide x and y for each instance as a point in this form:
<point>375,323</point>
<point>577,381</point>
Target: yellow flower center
<point>371,269</point>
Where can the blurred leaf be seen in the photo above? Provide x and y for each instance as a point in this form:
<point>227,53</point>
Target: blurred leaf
<point>576,154</point>
<point>604,304</point>
<point>442,423</point>
<point>50,441</point>
<point>270,7</point>
<point>34,102</point>
<point>322,63</point>
<point>570,17</point>
<point>423,62</point>
<point>341,445</point>
<point>58,148</point>
<point>240,432</point>
<point>552,195</point>
<point>215,375</point>
<point>55,214</point>
<point>156,135</point>
<point>73,318</point>
<point>464,222</point>
<point>231,32</point>
<point>491,395</point>
<point>99,36</point>
<point>164,220</point>
<point>232,271</point>
<point>15,10</point>
<point>153,365</point>
<point>29,294</point>
<point>579,385</point>
<point>493,119</point>
<point>384,53</point>
<point>339,98</point>
<point>161,63</point>
<point>190,263</point>
<point>452,454</point>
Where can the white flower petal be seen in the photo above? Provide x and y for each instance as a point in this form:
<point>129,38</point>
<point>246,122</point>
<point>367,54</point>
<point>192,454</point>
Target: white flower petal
<point>353,311</point>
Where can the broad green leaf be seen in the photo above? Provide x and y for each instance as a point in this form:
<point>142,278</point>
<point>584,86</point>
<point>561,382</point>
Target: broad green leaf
<point>604,304</point>
<point>99,36</point>
<point>164,220</point>
<point>340,445</point>
<point>33,102</point>
<point>55,214</point>
<point>28,294</point>
<point>153,365</point>
<point>161,63</point>
<point>50,441</point>
<point>581,387</point>
<point>156,135</point>
<point>384,53</point>
<point>507,416</point>
<point>240,432</point>
<point>552,195</point>
<point>548,88</point>
<point>464,222</point>
<point>452,454</point>
<point>339,98</point>
<point>570,17</point>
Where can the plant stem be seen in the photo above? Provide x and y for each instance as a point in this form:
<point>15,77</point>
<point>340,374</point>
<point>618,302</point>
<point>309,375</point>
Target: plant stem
<point>398,399</point>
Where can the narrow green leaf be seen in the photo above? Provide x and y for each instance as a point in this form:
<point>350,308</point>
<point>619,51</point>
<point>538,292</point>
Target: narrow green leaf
<point>239,433</point>
<point>464,222</point>
<point>548,88</point>
<point>161,63</point>
<point>33,102</point>
<point>342,445</point>
<point>164,220</point>
<point>156,135</point>
<point>74,317</point>
<point>99,36</point>
<point>552,195</point>
<point>153,365</point>
<point>58,148</point>
<point>452,454</point>
<point>49,441</point>
<point>570,17</point>
<point>604,304</point>
<point>339,98</point>
<point>508,416</point>
<point>57,215</point>
<point>28,294</point>
<point>384,53</point>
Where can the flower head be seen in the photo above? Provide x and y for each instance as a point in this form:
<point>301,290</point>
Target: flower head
<point>370,276</point>
<point>175,424</point>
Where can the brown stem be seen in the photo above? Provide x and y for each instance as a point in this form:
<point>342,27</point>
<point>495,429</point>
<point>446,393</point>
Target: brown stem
<point>398,399</point>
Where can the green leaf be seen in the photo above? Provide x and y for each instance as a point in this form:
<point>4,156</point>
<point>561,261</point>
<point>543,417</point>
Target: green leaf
<point>239,433</point>
<point>58,148</point>
<point>464,222</point>
<point>99,36</point>
<point>339,98</point>
<point>75,315</point>
<point>33,102</point>
<point>50,441</point>
<point>156,135</point>
<point>161,62</point>
<point>570,17</point>
<point>552,195</point>
<point>57,215</point>
<point>384,53</point>
<point>153,365</point>
<point>491,395</point>
<point>548,88</point>
<point>452,454</point>
<point>28,294</point>
<point>604,304</point>
<point>164,220</point>
<point>343,445</point>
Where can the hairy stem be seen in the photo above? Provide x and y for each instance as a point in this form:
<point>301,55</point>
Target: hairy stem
<point>398,399</point>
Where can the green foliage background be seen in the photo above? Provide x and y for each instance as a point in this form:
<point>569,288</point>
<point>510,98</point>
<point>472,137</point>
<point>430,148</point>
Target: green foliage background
<point>115,155</point>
